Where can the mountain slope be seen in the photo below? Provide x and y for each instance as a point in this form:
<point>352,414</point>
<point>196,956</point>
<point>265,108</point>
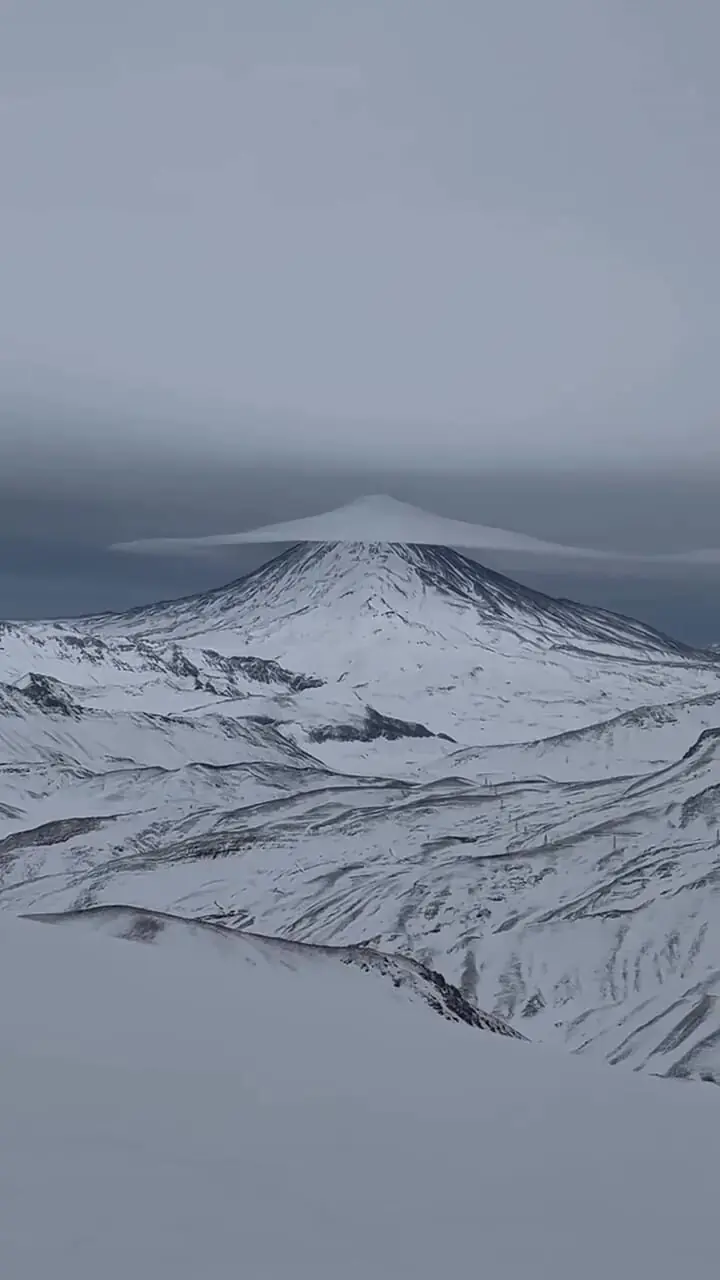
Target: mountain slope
<point>381,577</point>
<point>426,635</point>
<point>634,741</point>
<point>584,913</point>
<point>166,1113</point>
<point>416,981</point>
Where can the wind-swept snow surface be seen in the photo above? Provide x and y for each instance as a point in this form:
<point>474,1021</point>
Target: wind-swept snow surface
<point>170,1112</point>
<point>416,981</point>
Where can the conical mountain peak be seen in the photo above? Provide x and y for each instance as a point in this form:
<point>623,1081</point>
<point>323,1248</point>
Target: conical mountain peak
<point>359,592</point>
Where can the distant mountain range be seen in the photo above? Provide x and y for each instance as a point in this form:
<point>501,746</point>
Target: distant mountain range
<point>387,750</point>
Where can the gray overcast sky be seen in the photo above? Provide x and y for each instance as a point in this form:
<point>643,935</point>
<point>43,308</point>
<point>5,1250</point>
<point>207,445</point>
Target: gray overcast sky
<point>469,230</point>
<point>260,256</point>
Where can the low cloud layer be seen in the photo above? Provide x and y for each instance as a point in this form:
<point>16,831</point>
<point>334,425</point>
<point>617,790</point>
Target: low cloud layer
<point>380,518</point>
<point>56,526</point>
<point>483,240</point>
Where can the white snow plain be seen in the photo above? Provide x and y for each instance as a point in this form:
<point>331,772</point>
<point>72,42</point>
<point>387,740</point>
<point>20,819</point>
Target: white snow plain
<point>168,1112</point>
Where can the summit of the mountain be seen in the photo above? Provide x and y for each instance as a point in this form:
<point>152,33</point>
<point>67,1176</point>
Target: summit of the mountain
<point>398,584</point>
<point>422,634</point>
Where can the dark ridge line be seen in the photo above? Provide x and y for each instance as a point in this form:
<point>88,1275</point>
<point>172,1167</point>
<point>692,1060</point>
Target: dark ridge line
<point>707,736</point>
<point>457,1004</point>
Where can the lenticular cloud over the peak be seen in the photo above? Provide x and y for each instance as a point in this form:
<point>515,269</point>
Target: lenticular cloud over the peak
<point>374,519</point>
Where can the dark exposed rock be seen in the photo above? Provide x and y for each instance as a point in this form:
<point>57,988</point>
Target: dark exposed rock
<point>48,694</point>
<point>373,726</point>
<point>58,832</point>
<point>263,670</point>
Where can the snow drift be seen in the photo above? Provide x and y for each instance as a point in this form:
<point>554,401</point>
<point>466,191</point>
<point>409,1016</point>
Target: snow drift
<point>167,1114</point>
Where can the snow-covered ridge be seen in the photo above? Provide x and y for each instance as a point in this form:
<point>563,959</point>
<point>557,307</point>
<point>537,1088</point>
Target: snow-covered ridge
<point>416,981</point>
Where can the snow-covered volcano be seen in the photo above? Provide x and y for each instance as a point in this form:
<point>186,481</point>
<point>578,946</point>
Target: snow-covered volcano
<point>408,584</point>
<point>427,635</point>
<point>385,744</point>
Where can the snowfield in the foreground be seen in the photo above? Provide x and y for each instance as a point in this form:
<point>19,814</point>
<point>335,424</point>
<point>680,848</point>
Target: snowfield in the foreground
<point>169,1113</point>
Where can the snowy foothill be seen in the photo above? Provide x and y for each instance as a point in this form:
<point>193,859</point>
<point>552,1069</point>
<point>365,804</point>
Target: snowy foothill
<point>172,1113</point>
